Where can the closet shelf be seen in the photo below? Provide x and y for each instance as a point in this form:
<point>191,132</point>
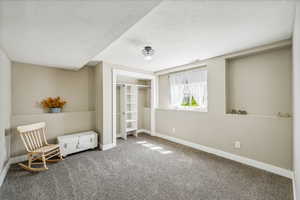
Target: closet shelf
<point>130,129</point>
<point>129,106</point>
<point>131,120</point>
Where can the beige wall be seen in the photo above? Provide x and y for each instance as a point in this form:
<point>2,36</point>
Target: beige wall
<point>143,104</point>
<point>32,83</point>
<point>296,90</point>
<point>261,83</point>
<point>263,138</point>
<point>57,124</point>
<point>5,107</point>
<point>164,94</point>
<point>147,119</point>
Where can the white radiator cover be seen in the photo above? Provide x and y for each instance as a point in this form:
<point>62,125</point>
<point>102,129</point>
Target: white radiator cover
<point>77,142</point>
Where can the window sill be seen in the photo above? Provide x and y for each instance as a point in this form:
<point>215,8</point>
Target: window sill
<point>199,110</point>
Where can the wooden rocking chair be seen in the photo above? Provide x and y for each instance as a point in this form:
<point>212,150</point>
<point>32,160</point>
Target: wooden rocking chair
<point>34,139</point>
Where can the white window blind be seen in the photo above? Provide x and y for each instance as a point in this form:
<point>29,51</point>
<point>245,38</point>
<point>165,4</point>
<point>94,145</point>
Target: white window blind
<point>188,89</point>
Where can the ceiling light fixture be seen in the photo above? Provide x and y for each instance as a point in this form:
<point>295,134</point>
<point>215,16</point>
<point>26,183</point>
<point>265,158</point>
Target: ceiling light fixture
<point>148,52</point>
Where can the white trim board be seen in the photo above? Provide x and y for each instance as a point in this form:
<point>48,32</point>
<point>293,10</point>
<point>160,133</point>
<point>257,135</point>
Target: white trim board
<point>107,146</point>
<point>4,172</point>
<point>17,159</point>
<point>247,161</point>
<point>294,187</point>
<point>22,158</point>
<point>144,131</point>
<point>140,75</point>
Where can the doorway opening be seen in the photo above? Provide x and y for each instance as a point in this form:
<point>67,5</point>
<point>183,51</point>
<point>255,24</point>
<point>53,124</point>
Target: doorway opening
<point>134,102</point>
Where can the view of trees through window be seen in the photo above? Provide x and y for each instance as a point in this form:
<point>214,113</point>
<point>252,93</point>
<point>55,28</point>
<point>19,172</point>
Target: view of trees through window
<point>188,98</point>
<point>188,89</point>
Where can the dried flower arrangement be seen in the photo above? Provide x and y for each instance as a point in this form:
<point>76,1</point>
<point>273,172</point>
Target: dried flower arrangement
<point>53,104</point>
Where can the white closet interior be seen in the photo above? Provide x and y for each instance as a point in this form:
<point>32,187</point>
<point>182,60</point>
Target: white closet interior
<point>133,106</point>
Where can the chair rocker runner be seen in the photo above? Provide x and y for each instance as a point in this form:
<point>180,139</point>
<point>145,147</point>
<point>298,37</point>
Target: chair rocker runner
<point>39,151</point>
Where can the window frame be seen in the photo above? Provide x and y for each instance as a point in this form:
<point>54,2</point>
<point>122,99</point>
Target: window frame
<point>190,108</point>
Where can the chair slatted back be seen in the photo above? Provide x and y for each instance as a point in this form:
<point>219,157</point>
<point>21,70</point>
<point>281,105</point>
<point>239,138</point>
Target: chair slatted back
<point>33,136</point>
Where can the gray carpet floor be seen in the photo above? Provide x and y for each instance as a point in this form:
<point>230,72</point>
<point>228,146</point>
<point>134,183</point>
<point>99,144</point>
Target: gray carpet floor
<point>145,168</point>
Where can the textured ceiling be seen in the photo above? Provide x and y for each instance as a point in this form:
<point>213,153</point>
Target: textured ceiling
<point>66,33</point>
<point>70,33</point>
<point>184,31</point>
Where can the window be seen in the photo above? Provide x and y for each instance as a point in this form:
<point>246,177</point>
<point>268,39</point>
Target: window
<point>188,89</point>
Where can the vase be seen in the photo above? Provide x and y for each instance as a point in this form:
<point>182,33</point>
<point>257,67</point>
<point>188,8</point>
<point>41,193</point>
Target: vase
<point>54,110</point>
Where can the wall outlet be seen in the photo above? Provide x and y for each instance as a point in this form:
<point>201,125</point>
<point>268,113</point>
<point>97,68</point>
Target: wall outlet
<point>237,144</point>
<point>173,130</point>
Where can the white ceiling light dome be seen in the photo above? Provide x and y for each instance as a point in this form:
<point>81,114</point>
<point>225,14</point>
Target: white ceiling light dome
<point>148,52</point>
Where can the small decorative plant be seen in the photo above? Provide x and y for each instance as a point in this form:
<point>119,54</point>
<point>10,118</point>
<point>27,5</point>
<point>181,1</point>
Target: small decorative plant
<point>54,105</point>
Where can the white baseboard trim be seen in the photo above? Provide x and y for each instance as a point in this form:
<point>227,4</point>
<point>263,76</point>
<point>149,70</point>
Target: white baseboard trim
<point>12,160</point>
<point>294,186</point>
<point>4,172</point>
<point>107,146</point>
<point>143,131</point>
<point>17,159</point>
<point>247,161</point>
